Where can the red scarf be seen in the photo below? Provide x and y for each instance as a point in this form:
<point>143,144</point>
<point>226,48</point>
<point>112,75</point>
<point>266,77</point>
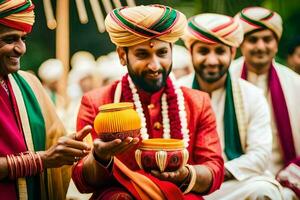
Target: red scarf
<point>281,114</point>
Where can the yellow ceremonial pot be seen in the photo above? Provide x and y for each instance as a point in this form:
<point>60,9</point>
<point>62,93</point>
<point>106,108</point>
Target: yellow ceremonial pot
<point>117,120</point>
<point>161,154</point>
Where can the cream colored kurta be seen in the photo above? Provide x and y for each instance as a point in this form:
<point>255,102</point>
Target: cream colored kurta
<point>249,169</point>
<point>290,83</point>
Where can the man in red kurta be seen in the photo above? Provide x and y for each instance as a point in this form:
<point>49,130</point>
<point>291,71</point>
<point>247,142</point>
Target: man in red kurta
<point>144,37</point>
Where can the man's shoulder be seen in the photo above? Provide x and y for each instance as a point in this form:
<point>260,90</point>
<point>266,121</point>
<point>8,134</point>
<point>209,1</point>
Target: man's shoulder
<point>29,77</point>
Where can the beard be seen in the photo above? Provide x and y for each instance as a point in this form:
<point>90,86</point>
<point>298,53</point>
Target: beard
<point>145,83</point>
<point>210,77</point>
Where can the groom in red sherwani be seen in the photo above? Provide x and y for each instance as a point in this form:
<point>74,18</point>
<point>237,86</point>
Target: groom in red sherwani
<point>144,36</point>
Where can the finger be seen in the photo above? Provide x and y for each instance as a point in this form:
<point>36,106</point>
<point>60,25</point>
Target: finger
<point>71,160</point>
<point>124,148</point>
<point>71,152</point>
<point>99,144</point>
<point>67,142</point>
<point>80,135</point>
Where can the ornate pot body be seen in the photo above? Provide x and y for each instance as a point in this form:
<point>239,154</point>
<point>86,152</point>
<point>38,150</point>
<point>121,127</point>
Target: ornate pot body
<point>161,154</point>
<point>117,120</point>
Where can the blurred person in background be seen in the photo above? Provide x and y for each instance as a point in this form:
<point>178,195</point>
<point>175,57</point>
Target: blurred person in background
<point>293,57</point>
<point>110,68</point>
<point>82,78</point>
<point>262,33</point>
<point>50,73</point>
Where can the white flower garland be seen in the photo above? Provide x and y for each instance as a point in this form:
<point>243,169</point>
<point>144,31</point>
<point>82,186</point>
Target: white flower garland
<point>165,116</point>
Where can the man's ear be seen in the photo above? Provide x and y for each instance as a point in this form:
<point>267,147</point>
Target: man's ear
<point>233,52</point>
<point>122,55</point>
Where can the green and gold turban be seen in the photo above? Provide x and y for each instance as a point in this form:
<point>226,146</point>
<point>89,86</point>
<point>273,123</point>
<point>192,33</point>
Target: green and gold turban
<point>17,14</point>
<point>129,26</point>
<point>253,18</point>
<point>212,29</point>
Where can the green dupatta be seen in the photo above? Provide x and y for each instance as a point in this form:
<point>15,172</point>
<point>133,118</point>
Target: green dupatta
<point>38,131</point>
<point>233,147</point>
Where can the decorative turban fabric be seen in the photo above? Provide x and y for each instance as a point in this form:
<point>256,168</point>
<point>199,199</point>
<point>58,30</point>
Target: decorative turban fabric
<point>129,26</point>
<point>253,18</point>
<point>213,28</point>
<point>17,14</point>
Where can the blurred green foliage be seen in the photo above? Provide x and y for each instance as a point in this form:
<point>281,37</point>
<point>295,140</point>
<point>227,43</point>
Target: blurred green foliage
<point>41,42</point>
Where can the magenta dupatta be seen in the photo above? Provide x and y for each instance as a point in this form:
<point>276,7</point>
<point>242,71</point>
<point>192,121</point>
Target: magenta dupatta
<point>11,137</point>
<point>281,114</point>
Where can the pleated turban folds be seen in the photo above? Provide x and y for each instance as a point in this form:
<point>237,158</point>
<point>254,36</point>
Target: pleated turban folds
<point>212,29</point>
<point>17,14</point>
<point>254,18</point>
<point>134,25</point>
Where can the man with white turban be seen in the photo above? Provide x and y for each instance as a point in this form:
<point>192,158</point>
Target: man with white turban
<point>33,145</point>
<point>144,37</point>
<point>110,74</point>
<point>243,117</point>
<point>50,72</point>
<point>263,29</point>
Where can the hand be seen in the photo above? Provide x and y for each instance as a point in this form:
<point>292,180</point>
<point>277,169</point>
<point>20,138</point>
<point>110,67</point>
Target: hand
<point>105,150</point>
<point>176,177</point>
<point>67,150</point>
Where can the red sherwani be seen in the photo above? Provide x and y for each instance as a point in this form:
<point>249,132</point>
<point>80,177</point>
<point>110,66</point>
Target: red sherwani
<point>204,147</point>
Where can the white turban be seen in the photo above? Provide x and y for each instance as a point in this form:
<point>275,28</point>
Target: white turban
<point>51,70</point>
<point>109,67</point>
<point>181,58</point>
<point>213,28</point>
<point>253,18</point>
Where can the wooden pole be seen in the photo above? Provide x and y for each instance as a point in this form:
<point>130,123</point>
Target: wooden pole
<point>117,3</point>
<point>107,6</point>
<point>63,41</point>
<point>51,22</point>
<point>83,17</point>
<point>98,15</point>
<point>130,3</point>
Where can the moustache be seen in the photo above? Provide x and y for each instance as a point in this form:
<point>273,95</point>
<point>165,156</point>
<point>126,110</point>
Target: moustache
<point>259,52</point>
<point>153,72</point>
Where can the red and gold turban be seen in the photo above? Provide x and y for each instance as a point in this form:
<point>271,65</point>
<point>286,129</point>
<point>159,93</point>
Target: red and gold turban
<point>134,25</point>
<point>253,18</point>
<point>17,14</point>
<point>213,28</point>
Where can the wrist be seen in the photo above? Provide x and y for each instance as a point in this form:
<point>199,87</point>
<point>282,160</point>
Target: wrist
<point>185,182</point>
<point>103,161</point>
<point>43,157</point>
